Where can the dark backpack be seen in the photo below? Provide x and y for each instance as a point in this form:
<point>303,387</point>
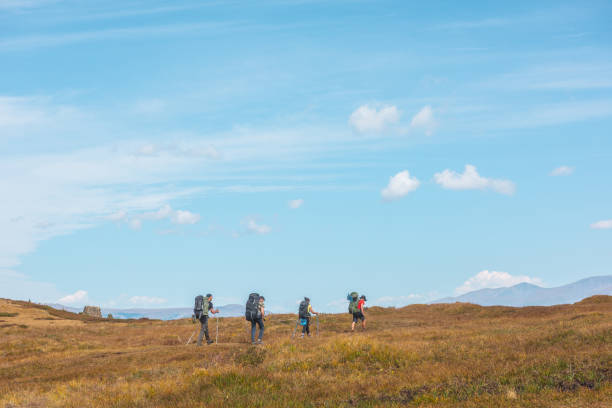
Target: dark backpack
<point>353,298</point>
<point>201,306</point>
<point>252,312</point>
<point>303,311</point>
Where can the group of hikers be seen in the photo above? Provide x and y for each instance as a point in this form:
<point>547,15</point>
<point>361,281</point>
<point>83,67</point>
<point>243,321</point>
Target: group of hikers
<point>255,313</point>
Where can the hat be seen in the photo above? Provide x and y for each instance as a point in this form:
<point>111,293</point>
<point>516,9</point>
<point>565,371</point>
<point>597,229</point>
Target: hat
<point>363,297</point>
<point>306,298</point>
<point>208,295</point>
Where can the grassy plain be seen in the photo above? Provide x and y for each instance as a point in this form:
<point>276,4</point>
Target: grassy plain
<point>453,355</point>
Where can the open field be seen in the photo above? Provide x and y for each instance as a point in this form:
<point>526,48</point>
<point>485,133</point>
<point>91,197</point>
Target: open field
<point>455,355</point>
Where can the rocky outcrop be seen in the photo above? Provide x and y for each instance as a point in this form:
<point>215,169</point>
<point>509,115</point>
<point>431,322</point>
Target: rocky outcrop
<point>92,311</point>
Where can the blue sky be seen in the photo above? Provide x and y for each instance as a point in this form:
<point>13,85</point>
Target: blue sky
<point>151,151</point>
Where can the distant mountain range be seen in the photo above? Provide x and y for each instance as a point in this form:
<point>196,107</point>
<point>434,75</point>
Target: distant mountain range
<point>523,294</point>
<point>526,294</point>
<point>231,310</point>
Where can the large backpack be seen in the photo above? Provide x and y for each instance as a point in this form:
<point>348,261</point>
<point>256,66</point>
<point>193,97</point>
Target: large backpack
<point>252,312</point>
<point>303,310</point>
<point>353,298</point>
<point>201,306</point>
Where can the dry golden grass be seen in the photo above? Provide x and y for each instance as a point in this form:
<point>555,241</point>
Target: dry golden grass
<point>457,355</point>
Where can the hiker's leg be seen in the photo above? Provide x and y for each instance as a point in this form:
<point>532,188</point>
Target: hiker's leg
<point>303,329</point>
<point>205,326</point>
<point>307,327</point>
<point>203,330</point>
<point>252,331</point>
<point>363,323</point>
<point>261,328</point>
<point>354,321</point>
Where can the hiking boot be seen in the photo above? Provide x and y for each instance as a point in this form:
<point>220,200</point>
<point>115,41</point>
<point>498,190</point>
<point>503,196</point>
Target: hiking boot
<point>259,341</point>
<point>209,341</point>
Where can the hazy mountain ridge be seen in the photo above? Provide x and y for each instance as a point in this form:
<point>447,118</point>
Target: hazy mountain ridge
<point>526,294</point>
<point>171,313</point>
<point>523,294</point>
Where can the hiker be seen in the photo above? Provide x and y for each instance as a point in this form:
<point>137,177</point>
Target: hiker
<point>305,311</point>
<point>357,307</point>
<point>203,305</point>
<point>255,313</point>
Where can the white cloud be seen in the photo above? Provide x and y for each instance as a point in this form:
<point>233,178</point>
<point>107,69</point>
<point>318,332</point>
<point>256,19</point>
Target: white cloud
<point>80,296</point>
<point>261,229</point>
<point>147,300</point>
<point>562,171</point>
<point>424,120</point>
<point>366,119</point>
<point>185,217</point>
<point>604,224</point>
<point>297,203</point>
<point>471,180</point>
<point>493,279</point>
<point>400,185</point>
<point>166,212</point>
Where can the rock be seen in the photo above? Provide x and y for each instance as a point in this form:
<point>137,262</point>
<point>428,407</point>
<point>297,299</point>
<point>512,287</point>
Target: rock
<point>92,311</point>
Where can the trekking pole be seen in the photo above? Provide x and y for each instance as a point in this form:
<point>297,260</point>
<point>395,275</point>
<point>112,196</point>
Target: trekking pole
<point>294,330</point>
<point>217,335</point>
<point>317,325</point>
<point>194,332</point>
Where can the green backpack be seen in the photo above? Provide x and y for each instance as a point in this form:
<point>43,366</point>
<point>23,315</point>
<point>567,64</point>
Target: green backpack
<point>353,298</point>
<point>201,306</point>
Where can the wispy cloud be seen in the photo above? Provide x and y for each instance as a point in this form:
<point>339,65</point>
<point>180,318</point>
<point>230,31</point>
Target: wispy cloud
<point>603,224</point>
<point>295,204</point>
<point>481,23</point>
<point>135,221</point>
<point>23,4</point>
<point>560,76</point>
<point>562,171</point>
<point>16,285</point>
<point>399,301</point>
<point>254,227</point>
<point>58,39</point>
<point>151,106</point>
<point>147,300</point>
<point>19,114</point>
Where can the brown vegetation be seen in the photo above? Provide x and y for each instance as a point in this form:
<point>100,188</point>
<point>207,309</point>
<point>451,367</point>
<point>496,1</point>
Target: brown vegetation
<point>455,355</point>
